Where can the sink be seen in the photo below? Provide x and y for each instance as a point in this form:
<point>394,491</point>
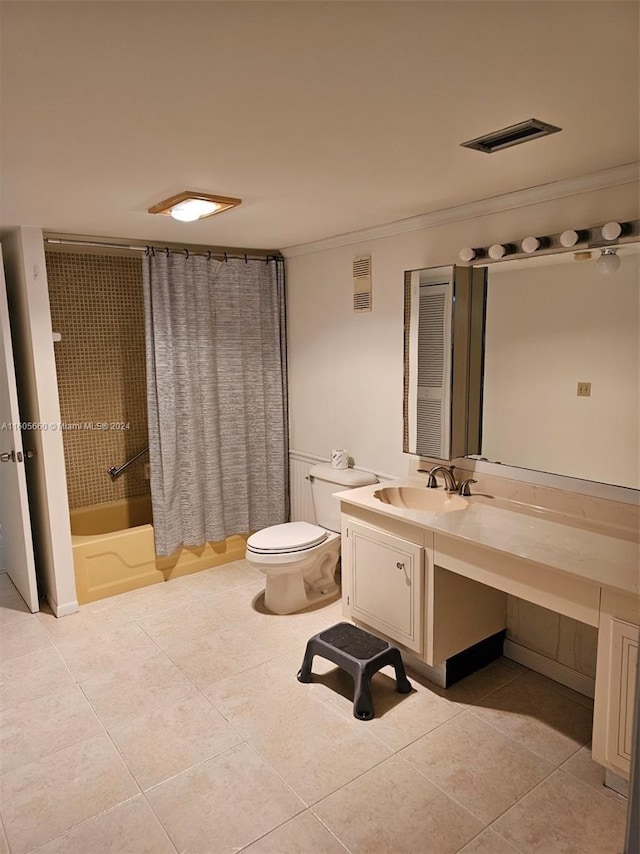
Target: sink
<point>416,498</point>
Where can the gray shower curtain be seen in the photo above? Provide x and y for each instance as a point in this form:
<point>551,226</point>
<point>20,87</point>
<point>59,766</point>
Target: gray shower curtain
<point>216,396</point>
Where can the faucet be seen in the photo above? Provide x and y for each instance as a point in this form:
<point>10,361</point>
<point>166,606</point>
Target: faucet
<point>450,484</point>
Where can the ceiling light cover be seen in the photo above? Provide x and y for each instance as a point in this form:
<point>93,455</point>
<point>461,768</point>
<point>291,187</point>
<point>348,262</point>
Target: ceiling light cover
<point>190,206</point>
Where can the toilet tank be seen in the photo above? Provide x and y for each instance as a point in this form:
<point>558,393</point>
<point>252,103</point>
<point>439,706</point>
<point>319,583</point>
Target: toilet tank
<point>324,482</point>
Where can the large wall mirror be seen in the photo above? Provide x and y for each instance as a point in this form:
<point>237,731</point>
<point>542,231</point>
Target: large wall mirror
<point>560,390</point>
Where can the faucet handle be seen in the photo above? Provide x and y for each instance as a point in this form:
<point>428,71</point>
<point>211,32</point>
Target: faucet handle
<point>464,486</point>
<point>432,483</point>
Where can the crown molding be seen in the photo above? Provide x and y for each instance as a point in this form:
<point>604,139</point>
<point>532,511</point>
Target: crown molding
<point>628,173</point>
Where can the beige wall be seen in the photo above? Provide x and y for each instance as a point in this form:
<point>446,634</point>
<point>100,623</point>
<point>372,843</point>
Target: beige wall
<point>96,306</point>
<point>346,369</point>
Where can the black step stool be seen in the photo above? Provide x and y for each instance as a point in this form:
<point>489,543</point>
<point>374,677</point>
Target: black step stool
<point>361,655</point>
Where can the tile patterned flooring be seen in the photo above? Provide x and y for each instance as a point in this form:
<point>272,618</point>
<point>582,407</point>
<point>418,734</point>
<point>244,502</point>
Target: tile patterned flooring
<point>170,720</point>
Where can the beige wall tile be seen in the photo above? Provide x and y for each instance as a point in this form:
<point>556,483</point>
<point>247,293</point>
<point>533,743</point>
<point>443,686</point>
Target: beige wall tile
<point>96,305</point>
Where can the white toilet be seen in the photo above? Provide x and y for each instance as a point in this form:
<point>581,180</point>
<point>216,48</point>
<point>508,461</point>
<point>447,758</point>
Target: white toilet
<point>300,559</point>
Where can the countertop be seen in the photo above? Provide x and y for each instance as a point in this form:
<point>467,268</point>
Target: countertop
<point>602,554</point>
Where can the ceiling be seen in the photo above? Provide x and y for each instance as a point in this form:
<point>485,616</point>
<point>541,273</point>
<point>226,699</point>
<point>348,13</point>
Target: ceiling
<point>324,117</point>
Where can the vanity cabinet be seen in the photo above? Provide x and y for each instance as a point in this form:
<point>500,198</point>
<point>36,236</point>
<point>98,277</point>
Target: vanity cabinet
<point>391,585</point>
<point>387,583</point>
<point>617,663</point>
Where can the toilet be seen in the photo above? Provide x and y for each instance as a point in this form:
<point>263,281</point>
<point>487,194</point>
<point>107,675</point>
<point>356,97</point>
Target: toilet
<point>300,559</point>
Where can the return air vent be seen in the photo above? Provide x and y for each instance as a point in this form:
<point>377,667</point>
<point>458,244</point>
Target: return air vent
<point>513,135</point>
<point>362,283</point>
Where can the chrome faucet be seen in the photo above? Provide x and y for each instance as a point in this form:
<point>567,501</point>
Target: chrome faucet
<point>450,484</point>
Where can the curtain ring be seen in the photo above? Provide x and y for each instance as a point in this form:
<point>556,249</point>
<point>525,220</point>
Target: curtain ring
<point>146,251</point>
<point>166,249</point>
<point>153,251</point>
<point>225,257</point>
<point>209,255</point>
<point>245,258</point>
<point>186,253</point>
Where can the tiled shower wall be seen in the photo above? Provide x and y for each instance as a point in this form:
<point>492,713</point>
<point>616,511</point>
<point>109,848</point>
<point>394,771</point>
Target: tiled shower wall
<point>96,306</point>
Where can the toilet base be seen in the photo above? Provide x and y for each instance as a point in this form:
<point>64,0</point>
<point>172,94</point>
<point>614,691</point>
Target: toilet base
<point>288,593</point>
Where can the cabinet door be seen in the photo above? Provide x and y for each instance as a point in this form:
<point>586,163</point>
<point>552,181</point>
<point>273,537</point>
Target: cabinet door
<point>613,712</point>
<point>387,584</point>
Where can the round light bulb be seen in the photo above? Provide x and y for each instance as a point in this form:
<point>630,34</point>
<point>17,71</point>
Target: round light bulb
<point>611,230</point>
<point>608,262</point>
<point>497,251</point>
<point>467,254</point>
<point>530,244</point>
<point>569,238</point>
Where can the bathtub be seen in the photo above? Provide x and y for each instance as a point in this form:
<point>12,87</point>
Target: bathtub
<point>113,550</point>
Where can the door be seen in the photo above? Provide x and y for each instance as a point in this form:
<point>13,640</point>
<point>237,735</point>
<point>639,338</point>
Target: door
<point>17,543</point>
<point>387,583</point>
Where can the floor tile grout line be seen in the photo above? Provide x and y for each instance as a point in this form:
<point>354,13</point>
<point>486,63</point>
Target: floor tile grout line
<point>332,832</point>
<point>520,744</point>
<point>82,823</point>
<point>158,818</point>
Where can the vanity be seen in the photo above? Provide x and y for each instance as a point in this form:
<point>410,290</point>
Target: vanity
<point>431,573</point>
<point>522,369</point>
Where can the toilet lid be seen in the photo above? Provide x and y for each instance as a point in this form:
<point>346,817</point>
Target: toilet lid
<point>290,537</point>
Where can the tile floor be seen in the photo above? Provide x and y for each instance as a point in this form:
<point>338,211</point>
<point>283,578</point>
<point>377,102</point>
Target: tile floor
<point>170,720</point>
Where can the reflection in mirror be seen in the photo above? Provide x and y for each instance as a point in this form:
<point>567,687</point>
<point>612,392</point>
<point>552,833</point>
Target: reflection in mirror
<point>562,357</point>
<point>444,310</point>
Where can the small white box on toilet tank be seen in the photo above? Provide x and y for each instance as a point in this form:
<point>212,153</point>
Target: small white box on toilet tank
<point>325,481</point>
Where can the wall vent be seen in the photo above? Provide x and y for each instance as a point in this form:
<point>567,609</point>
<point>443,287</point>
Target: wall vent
<point>362,283</point>
<point>512,135</point>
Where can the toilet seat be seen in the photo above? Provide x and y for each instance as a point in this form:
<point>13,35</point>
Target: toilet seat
<point>286,538</point>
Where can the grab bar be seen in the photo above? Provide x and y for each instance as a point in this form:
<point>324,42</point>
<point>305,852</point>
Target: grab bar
<point>116,472</point>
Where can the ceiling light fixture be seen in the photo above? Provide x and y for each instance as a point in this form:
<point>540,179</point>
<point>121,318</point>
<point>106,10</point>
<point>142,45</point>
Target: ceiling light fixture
<point>190,206</point>
<point>609,261</point>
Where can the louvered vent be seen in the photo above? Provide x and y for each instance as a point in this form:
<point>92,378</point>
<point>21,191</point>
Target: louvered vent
<point>512,135</point>
<point>429,433</point>
<point>431,340</point>
<point>362,283</point>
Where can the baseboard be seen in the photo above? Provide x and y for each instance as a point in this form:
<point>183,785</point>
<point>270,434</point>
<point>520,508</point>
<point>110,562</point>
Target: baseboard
<point>550,668</point>
<point>437,675</point>
<point>62,610</point>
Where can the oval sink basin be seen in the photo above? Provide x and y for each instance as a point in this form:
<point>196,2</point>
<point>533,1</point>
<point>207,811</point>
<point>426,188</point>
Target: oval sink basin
<point>416,498</point>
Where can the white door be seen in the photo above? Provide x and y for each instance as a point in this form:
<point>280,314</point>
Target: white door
<point>17,543</point>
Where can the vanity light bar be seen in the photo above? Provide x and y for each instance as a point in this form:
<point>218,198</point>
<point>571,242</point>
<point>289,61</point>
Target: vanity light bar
<point>591,238</point>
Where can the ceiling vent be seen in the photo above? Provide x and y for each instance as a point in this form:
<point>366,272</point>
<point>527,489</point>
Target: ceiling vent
<point>513,135</point>
<point>362,283</point>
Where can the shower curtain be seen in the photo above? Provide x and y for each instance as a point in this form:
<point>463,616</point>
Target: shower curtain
<point>216,396</point>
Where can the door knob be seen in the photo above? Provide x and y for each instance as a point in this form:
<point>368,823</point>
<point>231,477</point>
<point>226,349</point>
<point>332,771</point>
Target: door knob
<point>29,455</point>
<point>8,457</point>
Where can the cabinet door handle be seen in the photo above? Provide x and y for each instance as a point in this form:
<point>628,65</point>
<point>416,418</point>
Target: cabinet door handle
<point>399,565</point>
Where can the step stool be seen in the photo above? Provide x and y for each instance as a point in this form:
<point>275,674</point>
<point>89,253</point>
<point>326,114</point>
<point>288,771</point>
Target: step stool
<point>361,655</point>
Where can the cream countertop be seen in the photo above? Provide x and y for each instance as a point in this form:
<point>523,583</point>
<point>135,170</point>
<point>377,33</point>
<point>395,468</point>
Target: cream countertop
<point>604,555</point>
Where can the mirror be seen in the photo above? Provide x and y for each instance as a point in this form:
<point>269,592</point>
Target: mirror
<point>541,371</point>
<point>561,374</point>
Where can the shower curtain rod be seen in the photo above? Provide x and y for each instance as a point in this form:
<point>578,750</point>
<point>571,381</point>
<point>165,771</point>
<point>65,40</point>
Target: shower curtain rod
<point>209,253</point>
